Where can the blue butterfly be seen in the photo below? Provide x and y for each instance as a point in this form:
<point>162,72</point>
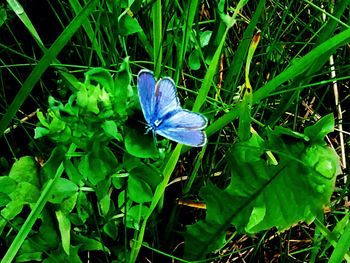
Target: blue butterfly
<point>163,113</point>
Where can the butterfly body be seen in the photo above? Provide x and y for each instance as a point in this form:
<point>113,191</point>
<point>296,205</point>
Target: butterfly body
<point>163,113</point>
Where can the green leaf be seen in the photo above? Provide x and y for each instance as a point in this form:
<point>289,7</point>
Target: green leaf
<point>102,77</point>
<point>8,185</point>
<point>135,215</point>
<point>138,190</point>
<point>64,226</point>
<point>57,156</point>
<point>11,210</point>
<point>139,145</point>
<point>262,196</point>
<point>72,172</point>
<point>105,204</point>
<point>128,25</point>
<point>84,210</point>
<point>88,244</point>
<point>4,199</point>
<point>40,132</point>
<point>148,174</point>
<point>110,128</point>
<point>194,60</point>
<point>25,192</point>
<point>204,37</point>
<point>61,190</point>
<point>3,15</point>
<point>25,170</point>
<point>87,98</point>
<point>97,165</point>
<point>319,130</point>
<point>69,204</point>
<point>110,228</point>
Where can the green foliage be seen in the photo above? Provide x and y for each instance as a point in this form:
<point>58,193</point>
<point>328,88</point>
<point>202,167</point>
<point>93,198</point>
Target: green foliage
<point>91,119</point>
<point>104,187</point>
<point>262,196</point>
<point>21,187</point>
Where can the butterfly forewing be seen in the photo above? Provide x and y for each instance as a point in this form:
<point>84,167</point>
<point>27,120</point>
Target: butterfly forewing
<point>146,89</point>
<point>166,99</point>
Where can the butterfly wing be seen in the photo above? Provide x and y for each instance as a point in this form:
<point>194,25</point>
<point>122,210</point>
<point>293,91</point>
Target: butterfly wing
<point>166,99</point>
<point>184,127</point>
<point>146,88</point>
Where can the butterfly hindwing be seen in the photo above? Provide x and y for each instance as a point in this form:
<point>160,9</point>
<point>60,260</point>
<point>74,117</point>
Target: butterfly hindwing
<point>184,119</point>
<point>184,127</point>
<point>195,138</point>
<point>146,89</point>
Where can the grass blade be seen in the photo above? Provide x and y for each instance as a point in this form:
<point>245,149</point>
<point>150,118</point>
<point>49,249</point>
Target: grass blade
<point>44,63</point>
<point>302,65</point>
<point>157,37</point>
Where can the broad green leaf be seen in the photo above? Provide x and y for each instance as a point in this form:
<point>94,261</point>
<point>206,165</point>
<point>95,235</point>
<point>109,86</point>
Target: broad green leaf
<point>123,204</point>
<point>194,60</point>
<point>135,215</point>
<point>319,130</point>
<point>139,144</point>
<point>111,128</point>
<point>102,77</point>
<point>12,209</point>
<point>40,132</point>
<point>130,162</point>
<point>88,244</point>
<point>204,37</point>
<point>97,165</point>
<point>61,190</point>
<point>57,156</point>
<point>139,191</point>
<point>111,229</point>
<point>25,192</point>
<point>128,25</point>
<point>147,173</point>
<point>8,185</point>
<point>69,204</point>
<point>279,131</point>
<point>262,196</point>
<point>25,170</point>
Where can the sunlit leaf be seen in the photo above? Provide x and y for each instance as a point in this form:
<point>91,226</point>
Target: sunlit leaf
<point>262,196</point>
